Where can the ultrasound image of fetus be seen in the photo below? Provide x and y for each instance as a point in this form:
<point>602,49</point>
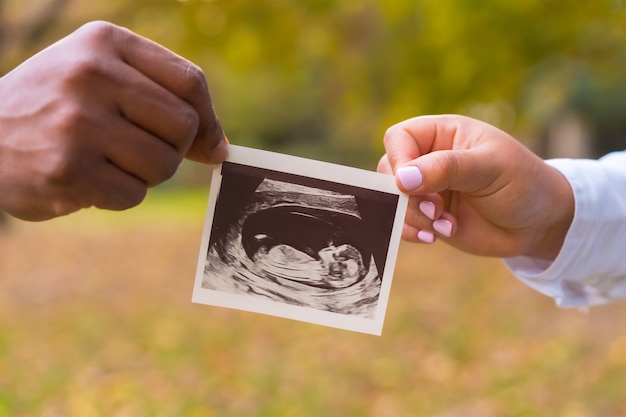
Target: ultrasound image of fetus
<point>298,245</point>
<point>342,265</point>
<point>337,267</point>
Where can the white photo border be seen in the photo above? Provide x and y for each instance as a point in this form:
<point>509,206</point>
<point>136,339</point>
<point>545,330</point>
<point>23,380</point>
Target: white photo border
<point>317,170</point>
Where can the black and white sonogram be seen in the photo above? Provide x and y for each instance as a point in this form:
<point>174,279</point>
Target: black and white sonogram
<point>300,239</point>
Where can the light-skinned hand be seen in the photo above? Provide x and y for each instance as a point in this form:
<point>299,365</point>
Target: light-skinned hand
<point>477,188</point>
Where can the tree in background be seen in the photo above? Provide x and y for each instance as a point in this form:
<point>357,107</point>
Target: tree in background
<point>324,78</point>
<point>26,26</point>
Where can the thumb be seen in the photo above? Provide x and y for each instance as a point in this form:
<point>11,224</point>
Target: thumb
<point>469,170</point>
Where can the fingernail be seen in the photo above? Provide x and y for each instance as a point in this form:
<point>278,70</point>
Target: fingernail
<point>426,236</point>
<point>444,227</point>
<point>428,208</point>
<point>410,177</point>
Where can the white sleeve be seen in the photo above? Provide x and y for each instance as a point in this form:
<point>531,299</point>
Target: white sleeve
<point>591,267</point>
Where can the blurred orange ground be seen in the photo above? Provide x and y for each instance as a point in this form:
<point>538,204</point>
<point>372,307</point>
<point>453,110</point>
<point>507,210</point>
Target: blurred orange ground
<point>96,320</point>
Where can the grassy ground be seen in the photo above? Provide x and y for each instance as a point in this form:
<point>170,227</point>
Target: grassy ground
<point>96,320</point>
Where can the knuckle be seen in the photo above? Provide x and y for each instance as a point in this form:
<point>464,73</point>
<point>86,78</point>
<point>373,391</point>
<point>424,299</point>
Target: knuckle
<point>442,169</point>
<point>123,198</point>
<point>134,198</point>
<point>70,124</point>
<point>390,133</point>
<point>392,148</point>
<point>194,74</point>
<point>68,155</point>
<point>193,81</point>
<point>97,40</point>
<point>61,167</point>
<point>169,166</point>
<point>450,164</point>
<point>384,165</point>
<point>189,122</point>
<point>62,173</point>
<point>99,30</point>
<point>163,168</point>
<point>394,140</point>
<point>84,72</point>
<point>213,126</point>
<point>62,207</point>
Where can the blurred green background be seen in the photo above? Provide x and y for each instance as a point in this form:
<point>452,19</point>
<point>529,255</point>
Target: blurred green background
<point>95,311</point>
<point>325,78</point>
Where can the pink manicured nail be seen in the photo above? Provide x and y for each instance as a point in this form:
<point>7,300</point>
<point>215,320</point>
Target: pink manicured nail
<point>428,208</point>
<point>410,177</point>
<point>426,236</point>
<point>444,227</point>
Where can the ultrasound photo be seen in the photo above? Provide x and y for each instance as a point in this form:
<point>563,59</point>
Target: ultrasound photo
<point>314,248</point>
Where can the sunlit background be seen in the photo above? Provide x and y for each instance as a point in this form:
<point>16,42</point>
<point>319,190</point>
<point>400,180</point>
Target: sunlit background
<point>95,311</point>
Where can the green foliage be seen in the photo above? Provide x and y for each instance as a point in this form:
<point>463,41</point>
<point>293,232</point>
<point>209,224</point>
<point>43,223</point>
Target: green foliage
<point>325,78</point>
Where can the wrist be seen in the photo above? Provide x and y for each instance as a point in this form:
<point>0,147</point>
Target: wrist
<point>550,235</point>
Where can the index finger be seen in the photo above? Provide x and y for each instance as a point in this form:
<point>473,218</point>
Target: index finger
<point>182,78</point>
<point>408,140</point>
